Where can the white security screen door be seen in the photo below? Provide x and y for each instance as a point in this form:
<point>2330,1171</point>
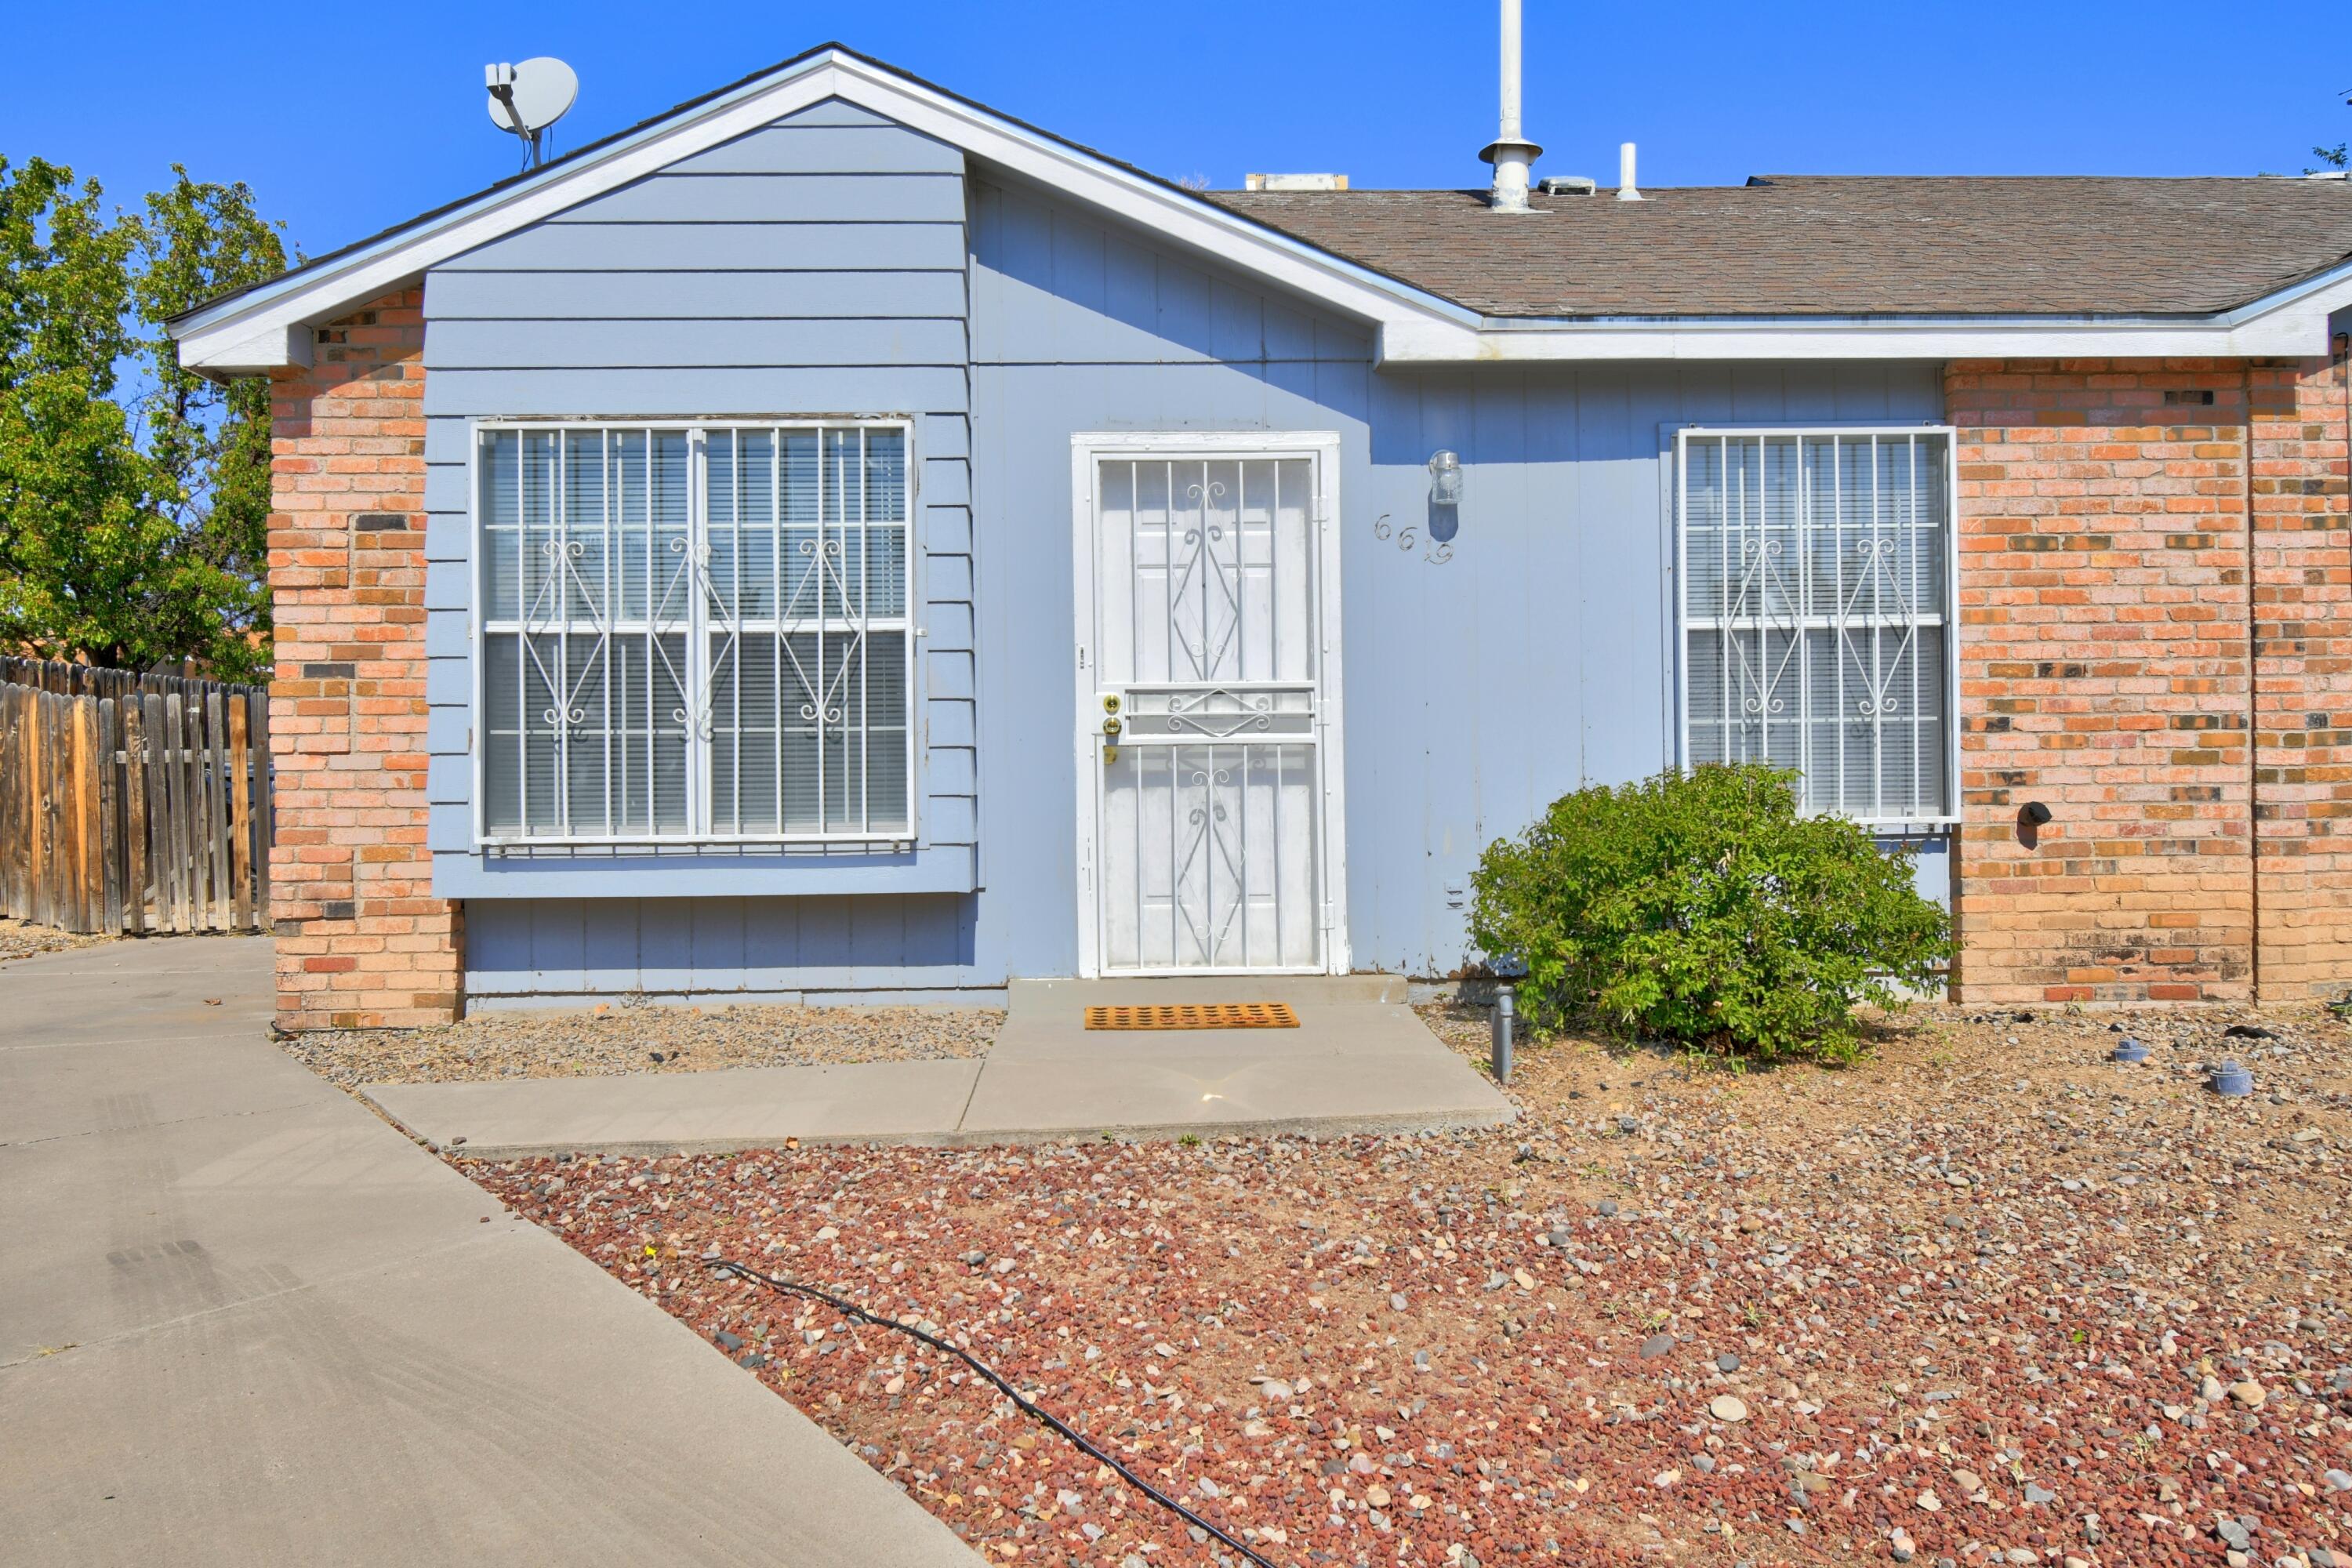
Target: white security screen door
<point>1206,735</point>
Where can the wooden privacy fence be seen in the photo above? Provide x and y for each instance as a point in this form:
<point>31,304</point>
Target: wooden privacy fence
<point>130,802</point>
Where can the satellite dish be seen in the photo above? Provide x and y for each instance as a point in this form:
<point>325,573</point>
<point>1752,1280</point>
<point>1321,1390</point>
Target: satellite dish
<point>526,99</point>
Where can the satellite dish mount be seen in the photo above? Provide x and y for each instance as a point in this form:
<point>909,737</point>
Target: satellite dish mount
<point>527,98</point>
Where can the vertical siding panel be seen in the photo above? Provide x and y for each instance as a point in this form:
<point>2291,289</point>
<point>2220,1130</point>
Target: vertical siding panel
<point>558,928</point>
<point>772,959</point>
<point>610,956</point>
<point>666,945</point>
<point>717,954</point>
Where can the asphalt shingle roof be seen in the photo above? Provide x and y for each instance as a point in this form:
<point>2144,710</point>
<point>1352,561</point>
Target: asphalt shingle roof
<point>1864,244</point>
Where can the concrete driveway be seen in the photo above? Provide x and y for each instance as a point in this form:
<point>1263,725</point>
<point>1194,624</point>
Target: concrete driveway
<point>244,1320</point>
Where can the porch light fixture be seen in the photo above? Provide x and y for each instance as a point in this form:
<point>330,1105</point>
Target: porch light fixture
<point>1444,479</point>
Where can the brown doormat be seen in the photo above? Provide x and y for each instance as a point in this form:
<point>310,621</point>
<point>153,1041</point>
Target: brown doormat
<point>1189,1016</point>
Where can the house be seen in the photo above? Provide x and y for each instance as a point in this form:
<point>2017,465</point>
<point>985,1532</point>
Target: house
<point>837,541</point>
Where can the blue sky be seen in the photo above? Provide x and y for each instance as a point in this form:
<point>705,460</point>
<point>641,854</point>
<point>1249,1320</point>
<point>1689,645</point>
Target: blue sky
<point>347,117</point>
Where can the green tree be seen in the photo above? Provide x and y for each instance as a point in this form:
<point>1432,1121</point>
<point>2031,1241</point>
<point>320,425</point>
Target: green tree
<point>2338,156</point>
<point>134,495</point>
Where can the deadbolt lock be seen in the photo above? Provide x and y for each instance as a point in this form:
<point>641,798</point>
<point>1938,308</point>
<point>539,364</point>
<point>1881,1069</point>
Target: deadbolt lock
<point>1111,703</point>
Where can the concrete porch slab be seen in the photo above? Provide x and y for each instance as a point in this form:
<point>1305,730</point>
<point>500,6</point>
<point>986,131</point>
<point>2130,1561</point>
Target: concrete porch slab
<point>1359,1061</point>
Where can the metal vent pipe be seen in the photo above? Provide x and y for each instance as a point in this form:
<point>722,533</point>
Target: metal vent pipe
<point>1511,153</point>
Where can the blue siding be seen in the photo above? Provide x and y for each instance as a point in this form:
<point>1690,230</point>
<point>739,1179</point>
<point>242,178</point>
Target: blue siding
<point>816,267</point>
<point>550,952</point>
<point>1477,691</point>
<point>837,264</point>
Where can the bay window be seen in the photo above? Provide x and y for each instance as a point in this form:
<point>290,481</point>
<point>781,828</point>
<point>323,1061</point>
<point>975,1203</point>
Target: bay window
<point>693,632</point>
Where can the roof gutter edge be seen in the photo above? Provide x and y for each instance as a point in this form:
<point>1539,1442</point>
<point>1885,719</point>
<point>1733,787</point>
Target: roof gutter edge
<point>2290,322</point>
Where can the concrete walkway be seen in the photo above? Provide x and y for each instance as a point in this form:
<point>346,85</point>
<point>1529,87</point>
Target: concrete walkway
<point>1359,1061</point>
<point>242,1321</point>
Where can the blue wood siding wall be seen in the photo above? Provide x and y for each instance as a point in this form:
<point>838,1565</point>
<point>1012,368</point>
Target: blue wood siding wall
<point>1477,691</point>
<point>869,948</point>
<point>838,264</point>
<point>815,266</point>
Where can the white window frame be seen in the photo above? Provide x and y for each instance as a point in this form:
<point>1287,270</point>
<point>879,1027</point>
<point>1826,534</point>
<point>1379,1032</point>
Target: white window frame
<point>1949,611</point>
<point>700,831</point>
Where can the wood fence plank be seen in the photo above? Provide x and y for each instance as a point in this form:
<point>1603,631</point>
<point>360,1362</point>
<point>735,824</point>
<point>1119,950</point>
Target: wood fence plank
<point>109,816</point>
<point>58,744</point>
<point>192,801</point>
<point>55,859</point>
<point>217,814</point>
<point>240,816</point>
<point>62,813</point>
<point>151,764</point>
<point>206,827</point>
<point>265,820</point>
<point>13,794</point>
<point>13,805</point>
<point>134,813</point>
<point>89,796</point>
<point>36,815</point>
<point>51,891</point>
<point>172,840</point>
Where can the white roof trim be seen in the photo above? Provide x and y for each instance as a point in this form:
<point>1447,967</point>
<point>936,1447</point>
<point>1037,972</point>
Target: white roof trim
<point>2291,323</point>
<point>269,327</point>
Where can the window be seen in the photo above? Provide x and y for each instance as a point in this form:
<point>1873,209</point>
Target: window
<point>1816,612</point>
<point>694,633</point>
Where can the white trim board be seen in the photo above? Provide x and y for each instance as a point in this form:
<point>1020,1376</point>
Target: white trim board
<point>270,328</point>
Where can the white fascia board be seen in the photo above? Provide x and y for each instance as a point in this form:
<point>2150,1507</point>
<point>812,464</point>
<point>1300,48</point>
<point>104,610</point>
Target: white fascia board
<point>255,331</point>
<point>248,346</point>
<point>2289,324</point>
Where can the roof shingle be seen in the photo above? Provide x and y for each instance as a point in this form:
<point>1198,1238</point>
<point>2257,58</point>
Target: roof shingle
<point>1844,245</point>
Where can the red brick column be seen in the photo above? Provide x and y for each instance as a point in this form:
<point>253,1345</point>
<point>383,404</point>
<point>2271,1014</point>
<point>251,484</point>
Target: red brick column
<point>2104,648</point>
<point>2303,702</point>
<point>362,941</point>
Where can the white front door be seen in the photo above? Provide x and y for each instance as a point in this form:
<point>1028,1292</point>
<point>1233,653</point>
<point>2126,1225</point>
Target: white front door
<point>1207,724</point>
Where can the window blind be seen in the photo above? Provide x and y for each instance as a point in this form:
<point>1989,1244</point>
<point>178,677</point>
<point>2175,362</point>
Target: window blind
<point>1814,635</point>
<point>695,632</point>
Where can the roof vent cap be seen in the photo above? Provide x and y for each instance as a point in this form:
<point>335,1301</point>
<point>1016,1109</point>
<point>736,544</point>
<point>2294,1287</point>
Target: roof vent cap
<point>1294,181</point>
<point>1567,184</point>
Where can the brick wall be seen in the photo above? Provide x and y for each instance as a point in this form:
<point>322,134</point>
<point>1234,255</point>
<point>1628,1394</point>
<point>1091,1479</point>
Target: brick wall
<point>2302,685</point>
<point>361,939</point>
<point>2108,668</point>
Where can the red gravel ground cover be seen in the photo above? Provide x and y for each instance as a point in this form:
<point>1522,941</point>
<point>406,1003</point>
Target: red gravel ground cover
<point>1987,1298</point>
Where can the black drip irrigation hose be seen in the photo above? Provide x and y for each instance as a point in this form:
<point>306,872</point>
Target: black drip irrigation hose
<point>851,1309</point>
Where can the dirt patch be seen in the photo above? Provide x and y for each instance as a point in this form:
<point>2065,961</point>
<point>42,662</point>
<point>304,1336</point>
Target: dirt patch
<point>624,1039</point>
<point>22,939</point>
<point>1988,1288</point>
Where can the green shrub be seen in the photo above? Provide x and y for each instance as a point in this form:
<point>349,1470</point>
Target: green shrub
<point>1705,907</point>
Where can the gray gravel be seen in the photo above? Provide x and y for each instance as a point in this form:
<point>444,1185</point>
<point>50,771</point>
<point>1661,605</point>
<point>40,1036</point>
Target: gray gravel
<point>624,1039</point>
<point>21,939</point>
